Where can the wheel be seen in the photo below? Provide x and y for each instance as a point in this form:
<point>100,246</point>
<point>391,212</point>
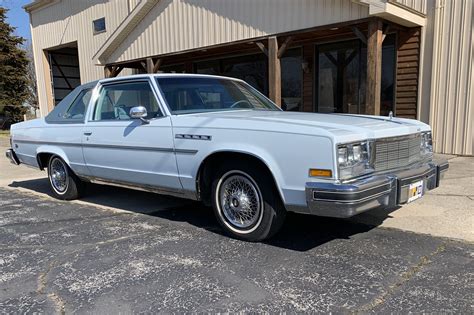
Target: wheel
<point>246,202</point>
<point>64,183</point>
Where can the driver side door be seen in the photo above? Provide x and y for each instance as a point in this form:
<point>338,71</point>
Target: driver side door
<point>122,150</point>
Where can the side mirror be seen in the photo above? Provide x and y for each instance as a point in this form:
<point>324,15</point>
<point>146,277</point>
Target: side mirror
<point>139,112</point>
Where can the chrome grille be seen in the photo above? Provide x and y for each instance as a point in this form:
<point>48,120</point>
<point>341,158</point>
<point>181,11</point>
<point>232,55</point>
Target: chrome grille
<point>397,152</point>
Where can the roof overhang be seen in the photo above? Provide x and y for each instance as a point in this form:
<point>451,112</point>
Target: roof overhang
<point>124,29</point>
<point>394,12</point>
<point>39,4</point>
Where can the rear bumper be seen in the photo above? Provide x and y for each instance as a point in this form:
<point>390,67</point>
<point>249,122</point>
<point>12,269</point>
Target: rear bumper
<point>10,154</point>
<point>378,191</point>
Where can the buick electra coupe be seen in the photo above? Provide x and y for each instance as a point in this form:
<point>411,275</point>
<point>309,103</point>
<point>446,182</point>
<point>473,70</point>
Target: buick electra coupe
<point>220,141</point>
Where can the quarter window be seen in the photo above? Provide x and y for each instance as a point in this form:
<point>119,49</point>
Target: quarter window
<point>115,101</point>
<point>77,110</point>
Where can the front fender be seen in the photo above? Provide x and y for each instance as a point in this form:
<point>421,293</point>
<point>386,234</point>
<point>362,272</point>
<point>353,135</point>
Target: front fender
<point>254,151</point>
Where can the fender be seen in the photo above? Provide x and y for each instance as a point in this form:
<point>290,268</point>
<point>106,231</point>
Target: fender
<point>256,152</point>
<point>50,149</point>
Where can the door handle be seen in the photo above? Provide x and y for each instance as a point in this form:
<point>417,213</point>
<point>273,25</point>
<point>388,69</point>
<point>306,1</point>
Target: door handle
<point>87,133</point>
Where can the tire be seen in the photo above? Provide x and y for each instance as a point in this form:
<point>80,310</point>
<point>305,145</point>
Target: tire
<point>246,202</point>
<point>64,183</point>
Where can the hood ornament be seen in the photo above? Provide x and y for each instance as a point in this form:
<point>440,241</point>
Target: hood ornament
<point>390,115</point>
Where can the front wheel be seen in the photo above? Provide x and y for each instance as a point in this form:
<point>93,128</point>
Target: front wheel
<point>246,202</point>
<point>64,183</point>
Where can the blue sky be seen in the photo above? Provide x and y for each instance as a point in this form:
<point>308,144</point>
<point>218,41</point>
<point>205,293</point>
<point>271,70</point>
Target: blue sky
<point>17,17</point>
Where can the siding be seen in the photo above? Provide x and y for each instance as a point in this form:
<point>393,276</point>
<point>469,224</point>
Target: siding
<point>452,82</point>
<point>408,62</point>
<point>417,5</point>
<point>70,21</point>
<point>177,25</point>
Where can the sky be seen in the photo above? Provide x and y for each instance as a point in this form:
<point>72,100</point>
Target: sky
<point>17,17</point>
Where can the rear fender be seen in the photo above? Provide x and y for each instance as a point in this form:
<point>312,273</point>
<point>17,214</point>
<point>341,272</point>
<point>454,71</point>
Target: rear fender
<point>51,150</point>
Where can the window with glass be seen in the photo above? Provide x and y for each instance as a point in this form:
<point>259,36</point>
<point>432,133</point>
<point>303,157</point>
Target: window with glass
<point>176,68</point>
<point>194,95</point>
<point>342,76</point>
<point>77,110</point>
<point>291,80</point>
<point>116,100</point>
<point>249,68</point>
<point>99,25</point>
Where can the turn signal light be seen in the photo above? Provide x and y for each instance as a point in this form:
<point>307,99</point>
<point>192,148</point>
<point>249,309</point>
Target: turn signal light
<point>314,172</point>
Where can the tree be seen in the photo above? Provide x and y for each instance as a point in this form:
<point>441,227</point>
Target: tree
<point>14,91</point>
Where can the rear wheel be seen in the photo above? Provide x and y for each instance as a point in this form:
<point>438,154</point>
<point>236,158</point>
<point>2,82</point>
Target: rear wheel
<point>246,202</point>
<point>64,183</point>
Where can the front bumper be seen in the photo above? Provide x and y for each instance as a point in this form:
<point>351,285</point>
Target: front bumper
<point>10,154</point>
<point>378,191</point>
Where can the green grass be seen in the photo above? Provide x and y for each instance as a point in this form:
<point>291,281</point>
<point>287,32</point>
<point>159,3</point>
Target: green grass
<point>4,133</point>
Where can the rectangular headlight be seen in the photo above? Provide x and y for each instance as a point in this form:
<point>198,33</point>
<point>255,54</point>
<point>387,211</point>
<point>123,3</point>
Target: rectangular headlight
<point>354,159</point>
<point>426,145</point>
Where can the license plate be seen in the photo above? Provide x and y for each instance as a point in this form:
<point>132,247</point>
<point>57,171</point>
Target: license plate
<point>415,191</point>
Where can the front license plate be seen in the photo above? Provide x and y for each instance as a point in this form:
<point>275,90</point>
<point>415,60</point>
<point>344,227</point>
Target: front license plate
<point>415,191</point>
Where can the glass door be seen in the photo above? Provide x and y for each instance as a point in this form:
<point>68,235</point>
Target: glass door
<point>340,70</point>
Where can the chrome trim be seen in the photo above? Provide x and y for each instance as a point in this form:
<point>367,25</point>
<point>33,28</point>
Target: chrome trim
<point>344,200</point>
<point>193,137</point>
<point>110,146</point>
<point>10,154</point>
<point>180,193</point>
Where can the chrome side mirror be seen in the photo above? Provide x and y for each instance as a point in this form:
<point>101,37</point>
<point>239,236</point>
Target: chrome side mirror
<point>139,112</point>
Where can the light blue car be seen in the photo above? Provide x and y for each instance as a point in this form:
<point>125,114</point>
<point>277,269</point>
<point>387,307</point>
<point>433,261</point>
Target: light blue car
<point>220,141</point>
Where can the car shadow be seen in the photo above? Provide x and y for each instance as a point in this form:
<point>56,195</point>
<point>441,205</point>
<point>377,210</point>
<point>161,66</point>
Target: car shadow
<point>299,233</point>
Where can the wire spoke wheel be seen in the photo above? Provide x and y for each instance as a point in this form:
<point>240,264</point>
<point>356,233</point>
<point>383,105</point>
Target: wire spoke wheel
<point>58,176</point>
<point>240,201</point>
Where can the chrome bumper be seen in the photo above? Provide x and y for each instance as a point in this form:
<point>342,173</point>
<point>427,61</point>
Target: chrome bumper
<point>378,191</point>
<point>10,154</point>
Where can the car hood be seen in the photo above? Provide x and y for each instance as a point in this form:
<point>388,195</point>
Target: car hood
<point>346,126</point>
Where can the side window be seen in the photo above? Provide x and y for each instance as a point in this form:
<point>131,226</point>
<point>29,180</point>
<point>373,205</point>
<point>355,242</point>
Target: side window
<point>77,110</point>
<point>116,100</point>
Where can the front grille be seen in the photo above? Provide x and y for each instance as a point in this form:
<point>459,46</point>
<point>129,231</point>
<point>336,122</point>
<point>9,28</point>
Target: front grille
<point>397,152</point>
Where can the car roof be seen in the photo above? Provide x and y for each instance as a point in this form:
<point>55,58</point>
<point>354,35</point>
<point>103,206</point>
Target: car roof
<point>165,75</point>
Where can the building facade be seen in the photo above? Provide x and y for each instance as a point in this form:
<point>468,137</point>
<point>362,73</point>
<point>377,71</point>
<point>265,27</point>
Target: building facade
<point>412,57</point>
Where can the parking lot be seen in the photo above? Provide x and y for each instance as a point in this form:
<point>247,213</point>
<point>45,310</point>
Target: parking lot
<point>127,251</point>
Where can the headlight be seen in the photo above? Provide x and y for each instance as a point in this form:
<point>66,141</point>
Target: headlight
<point>354,159</point>
<point>426,146</point>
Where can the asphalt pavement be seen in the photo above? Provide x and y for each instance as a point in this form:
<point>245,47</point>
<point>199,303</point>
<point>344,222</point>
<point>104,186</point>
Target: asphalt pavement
<point>63,257</point>
<point>125,251</point>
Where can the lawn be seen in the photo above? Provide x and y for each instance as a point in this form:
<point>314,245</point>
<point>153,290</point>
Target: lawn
<point>4,133</point>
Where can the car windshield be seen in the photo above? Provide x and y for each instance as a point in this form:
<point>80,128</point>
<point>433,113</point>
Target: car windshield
<point>187,95</point>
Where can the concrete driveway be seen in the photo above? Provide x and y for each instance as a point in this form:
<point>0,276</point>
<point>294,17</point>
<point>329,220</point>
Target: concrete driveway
<point>125,251</point>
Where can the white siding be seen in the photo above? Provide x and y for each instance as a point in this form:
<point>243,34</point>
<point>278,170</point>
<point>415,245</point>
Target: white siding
<point>452,82</point>
<point>417,5</point>
<point>177,25</point>
<point>70,21</point>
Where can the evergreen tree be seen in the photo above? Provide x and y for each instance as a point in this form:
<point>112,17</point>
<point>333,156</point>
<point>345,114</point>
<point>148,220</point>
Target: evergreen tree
<point>14,89</point>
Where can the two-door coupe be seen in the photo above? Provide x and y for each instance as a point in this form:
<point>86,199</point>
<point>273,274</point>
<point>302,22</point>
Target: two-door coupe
<point>220,141</point>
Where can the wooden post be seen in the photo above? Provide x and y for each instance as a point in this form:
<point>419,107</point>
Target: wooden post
<point>107,71</point>
<point>374,67</point>
<point>149,65</point>
<point>274,71</point>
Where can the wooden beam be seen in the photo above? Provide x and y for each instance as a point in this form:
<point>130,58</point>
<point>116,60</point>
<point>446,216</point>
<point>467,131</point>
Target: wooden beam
<point>262,47</point>
<point>386,29</point>
<point>112,71</point>
<point>157,65</point>
<point>359,34</point>
<point>284,46</point>
<point>374,67</point>
<point>149,65</point>
<point>107,71</point>
<point>144,66</point>
<point>274,71</point>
